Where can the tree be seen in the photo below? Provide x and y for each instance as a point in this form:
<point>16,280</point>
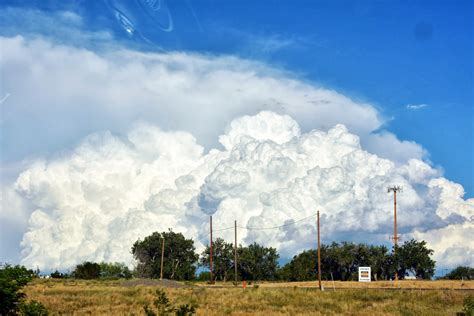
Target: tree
<point>461,272</point>
<point>338,261</point>
<point>413,256</point>
<point>57,275</point>
<point>114,271</point>
<point>222,258</point>
<point>179,256</point>
<point>87,270</point>
<point>257,262</point>
<point>303,267</point>
<point>12,299</point>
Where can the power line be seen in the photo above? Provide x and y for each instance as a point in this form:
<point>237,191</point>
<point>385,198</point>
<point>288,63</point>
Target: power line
<point>267,228</point>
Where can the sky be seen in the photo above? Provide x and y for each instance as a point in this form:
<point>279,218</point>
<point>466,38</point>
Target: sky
<point>131,112</point>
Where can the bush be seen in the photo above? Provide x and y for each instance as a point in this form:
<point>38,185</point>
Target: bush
<point>87,270</point>
<point>114,271</point>
<point>57,275</point>
<point>163,306</point>
<point>12,280</point>
<point>469,306</point>
<point>33,308</point>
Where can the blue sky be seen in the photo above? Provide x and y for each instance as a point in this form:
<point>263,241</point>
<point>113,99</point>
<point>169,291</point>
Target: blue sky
<point>75,74</point>
<point>392,54</point>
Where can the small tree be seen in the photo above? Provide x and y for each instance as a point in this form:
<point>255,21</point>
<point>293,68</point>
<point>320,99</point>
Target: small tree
<point>87,270</point>
<point>12,299</point>
<point>57,275</point>
<point>223,259</point>
<point>180,258</point>
<point>415,257</point>
<point>257,262</point>
<point>114,271</point>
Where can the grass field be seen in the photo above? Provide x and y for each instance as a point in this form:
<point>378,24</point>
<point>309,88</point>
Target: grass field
<point>301,298</point>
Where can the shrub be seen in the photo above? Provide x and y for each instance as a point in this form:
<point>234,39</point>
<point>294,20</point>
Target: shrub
<point>33,308</point>
<point>163,306</point>
<point>57,275</point>
<point>87,270</point>
<point>12,280</point>
<point>469,305</point>
<point>114,271</point>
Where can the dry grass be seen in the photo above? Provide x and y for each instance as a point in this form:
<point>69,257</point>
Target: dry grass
<point>112,298</point>
<point>404,284</point>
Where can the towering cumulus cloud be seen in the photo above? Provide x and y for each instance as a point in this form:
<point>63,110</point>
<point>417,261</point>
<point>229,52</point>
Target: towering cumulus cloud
<point>93,202</point>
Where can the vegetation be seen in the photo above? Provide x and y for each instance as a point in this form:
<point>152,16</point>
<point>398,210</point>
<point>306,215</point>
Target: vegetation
<point>164,307</point>
<point>114,271</point>
<point>414,257</point>
<point>87,270</point>
<point>341,262</point>
<point>181,260</point>
<point>12,300</point>
<point>223,259</point>
<point>468,307</point>
<point>257,262</point>
<point>113,297</point>
<point>58,275</point>
<point>461,272</point>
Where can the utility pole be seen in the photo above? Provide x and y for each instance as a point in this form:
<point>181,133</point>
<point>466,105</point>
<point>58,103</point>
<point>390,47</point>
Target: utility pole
<point>210,261</point>
<point>319,255</point>
<point>162,257</point>
<point>395,236</point>
<point>235,251</point>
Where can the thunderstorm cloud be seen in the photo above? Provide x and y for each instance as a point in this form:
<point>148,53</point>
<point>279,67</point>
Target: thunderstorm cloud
<point>163,140</point>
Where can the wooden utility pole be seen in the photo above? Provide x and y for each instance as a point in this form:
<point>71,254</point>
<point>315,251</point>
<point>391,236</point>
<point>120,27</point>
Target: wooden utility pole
<point>235,251</point>
<point>162,257</point>
<point>395,236</point>
<point>210,261</point>
<point>319,255</point>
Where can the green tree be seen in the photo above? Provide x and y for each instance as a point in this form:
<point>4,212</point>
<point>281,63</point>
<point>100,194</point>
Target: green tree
<point>461,272</point>
<point>87,270</point>
<point>114,271</point>
<point>222,259</point>
<point>12,299</point>
<point>341,260</point>
<point>303,267</point>
<point>179,256</point>
<point>413,256</point>
<point>257,262</point>
<point>57,275</point>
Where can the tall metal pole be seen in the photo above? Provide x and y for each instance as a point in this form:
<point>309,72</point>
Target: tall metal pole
<point>162,257</point>
<point>210,261</point>
<point>235,251</point>
<point>319,255</point>
<point>395,237</point>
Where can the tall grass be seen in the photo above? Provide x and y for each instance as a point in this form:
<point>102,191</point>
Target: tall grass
<point>111,298</point>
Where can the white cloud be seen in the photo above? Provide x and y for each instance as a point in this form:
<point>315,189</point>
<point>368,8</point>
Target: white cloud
<point>73,92</point>
<point>94,202</point>
<point>90,201</point>
<point>452,244</point>
<point>416,106</point>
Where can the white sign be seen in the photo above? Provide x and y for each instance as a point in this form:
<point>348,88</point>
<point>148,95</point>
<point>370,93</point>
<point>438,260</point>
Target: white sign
<point>364,274</point>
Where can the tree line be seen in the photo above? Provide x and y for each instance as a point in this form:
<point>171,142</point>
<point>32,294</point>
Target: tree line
<point>339,261</point>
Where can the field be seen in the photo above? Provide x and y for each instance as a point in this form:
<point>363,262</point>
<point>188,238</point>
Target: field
<point>301,298</point>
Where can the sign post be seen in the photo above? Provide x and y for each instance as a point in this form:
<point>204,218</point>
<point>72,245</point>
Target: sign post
<point>364,274</point>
